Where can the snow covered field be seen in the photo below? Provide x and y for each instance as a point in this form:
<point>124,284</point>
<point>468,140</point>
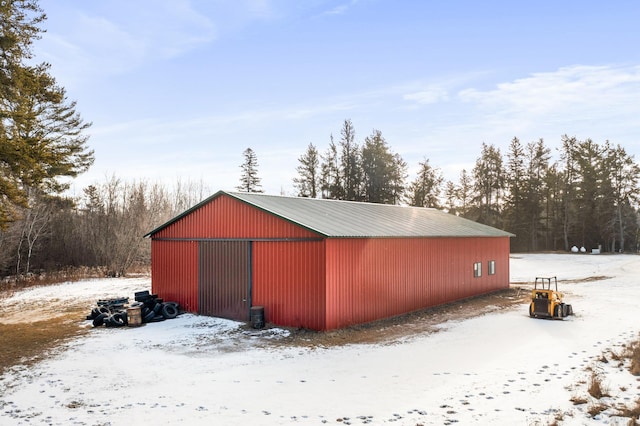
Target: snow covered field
<point>500,368</point>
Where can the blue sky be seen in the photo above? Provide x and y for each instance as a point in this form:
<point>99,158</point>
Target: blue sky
<point>177,89</point>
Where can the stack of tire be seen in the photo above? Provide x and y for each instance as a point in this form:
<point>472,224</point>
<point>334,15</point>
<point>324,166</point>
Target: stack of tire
<point>155,309</point>
<point>109,312</point>
<point>113,312</point>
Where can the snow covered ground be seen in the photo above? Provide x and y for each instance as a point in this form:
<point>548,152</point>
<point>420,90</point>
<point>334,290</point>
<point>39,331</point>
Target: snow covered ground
<point>500,368</point>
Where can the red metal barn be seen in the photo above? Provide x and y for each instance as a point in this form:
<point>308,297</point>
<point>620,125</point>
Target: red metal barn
<point>321,264</point>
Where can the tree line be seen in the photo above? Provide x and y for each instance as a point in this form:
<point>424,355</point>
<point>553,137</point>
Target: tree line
<point>100,230</point>
<point>587,197</point>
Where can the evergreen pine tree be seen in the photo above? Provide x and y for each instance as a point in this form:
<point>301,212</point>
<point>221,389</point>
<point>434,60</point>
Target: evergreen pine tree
<point>249,180</point>
<point>41,134</point>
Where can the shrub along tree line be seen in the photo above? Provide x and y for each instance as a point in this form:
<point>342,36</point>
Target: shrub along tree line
<point>101,230</point>
<point>587,197</point>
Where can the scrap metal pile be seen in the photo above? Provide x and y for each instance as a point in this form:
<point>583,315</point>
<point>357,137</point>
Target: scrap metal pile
<point>116,312</point>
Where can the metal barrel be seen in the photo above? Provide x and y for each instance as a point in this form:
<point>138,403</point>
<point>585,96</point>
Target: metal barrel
<point>257,316</point>
<point>134,315</point>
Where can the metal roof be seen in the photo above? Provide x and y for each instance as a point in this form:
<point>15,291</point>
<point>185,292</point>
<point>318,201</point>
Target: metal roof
<point>350,219</point>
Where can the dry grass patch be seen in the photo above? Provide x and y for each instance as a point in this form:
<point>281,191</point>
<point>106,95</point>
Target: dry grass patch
<point>596,387</point>
<point>406,326</point>
<point>578,400</point>
<point>617,356</point>
<point>27,343</point>
<point>596,408</point>
<point>630,356</point>
<point>634,354</point>
<point>631,412</point>
<point>631,352</point>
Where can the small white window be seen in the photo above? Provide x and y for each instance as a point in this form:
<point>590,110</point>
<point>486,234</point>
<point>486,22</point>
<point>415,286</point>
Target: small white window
<point>477,269</point>
<point>492,267</point>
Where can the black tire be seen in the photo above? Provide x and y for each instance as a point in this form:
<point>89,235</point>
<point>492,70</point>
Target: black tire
<point>557,311</point>
<point>176,304</point>
<point>141,293</point>
<point>111,322</point>
<point>157,309</point>
<point>157,318</point>
<point>94,313</point>
<point>99,320</point>
<point>169,311</point>
<point>150,302</point>
<point>116,321</point>
<point>569,310</point>
<point>104,309</point>
<point>121,318</point>
<point>149,316</point>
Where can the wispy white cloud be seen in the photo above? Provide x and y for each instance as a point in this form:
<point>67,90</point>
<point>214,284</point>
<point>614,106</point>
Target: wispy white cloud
<point>438,88</point>
<point>122,37</point>
<point>340,9</point>
<point>180,28</point>
<point>586,101</point>
<point>540,101</point>
<point>598,102</point>
<point>258,9</point>
<point>570,91</point>
<point>430,95</point>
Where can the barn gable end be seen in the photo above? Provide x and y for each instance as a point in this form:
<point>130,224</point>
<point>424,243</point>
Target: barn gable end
<point>222,216</point>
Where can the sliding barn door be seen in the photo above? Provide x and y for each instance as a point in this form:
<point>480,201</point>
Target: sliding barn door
<point>224,279</point>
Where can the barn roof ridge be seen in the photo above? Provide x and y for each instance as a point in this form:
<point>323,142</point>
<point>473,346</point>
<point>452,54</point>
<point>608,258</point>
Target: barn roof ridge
<point>358,219</point>
<point>354,219</point>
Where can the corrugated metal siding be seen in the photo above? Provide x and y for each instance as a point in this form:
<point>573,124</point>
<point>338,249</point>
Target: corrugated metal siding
<point>288,280</point>
<point>223,284</point>
<point>174,272</point>
<point>365,279</point>
<point>368,279</point>
<point>226,217</point>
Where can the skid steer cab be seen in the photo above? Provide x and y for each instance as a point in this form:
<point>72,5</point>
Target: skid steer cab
<point>546,300</point>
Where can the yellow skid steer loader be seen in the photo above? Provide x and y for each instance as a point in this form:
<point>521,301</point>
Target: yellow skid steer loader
<point>546,300</point>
